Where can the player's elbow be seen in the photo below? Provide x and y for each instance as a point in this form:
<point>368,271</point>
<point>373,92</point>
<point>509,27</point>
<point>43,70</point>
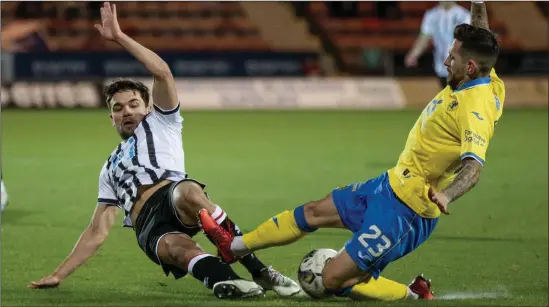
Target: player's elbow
<point>163,72</point>
<point>98,234</point>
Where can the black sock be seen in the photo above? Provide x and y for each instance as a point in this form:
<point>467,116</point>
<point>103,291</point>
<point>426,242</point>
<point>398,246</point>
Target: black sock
<point>211,270</point>
<point>253,264</point>
<point>250,261</point>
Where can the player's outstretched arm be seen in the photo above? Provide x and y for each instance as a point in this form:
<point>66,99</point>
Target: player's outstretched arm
<point>88,243</point>
<point>421,43</point>
<point>479,15</point>
<point>465,180</point>
<point>164,92</point>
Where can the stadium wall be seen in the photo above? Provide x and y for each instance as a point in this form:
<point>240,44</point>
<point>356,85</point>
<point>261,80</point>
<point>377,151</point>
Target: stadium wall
<point>270,93</point>
<point>253,80</point>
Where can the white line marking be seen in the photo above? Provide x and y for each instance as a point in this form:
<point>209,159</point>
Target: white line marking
<point>470,295</point>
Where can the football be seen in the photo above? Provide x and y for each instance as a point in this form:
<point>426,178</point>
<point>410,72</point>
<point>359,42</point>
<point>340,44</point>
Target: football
<point>309,273</point>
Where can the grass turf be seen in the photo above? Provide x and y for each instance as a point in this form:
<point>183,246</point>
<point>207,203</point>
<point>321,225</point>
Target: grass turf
<point>257,164</point>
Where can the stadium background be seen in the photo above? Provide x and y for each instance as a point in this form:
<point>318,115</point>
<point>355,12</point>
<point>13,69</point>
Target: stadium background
<point>335,68</point>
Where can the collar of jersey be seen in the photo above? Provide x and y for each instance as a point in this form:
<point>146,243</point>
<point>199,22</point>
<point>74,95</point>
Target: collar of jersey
<point>472,83</point>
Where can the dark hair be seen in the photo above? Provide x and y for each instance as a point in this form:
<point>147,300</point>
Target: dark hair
<point>479,44</point>
<point>126,85</point>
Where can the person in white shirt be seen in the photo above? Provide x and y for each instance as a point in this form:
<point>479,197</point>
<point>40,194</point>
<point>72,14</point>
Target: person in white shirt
<point>438,25</point>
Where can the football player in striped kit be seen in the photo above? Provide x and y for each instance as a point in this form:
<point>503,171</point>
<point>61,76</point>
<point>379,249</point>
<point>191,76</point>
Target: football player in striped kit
<point>145,176</point>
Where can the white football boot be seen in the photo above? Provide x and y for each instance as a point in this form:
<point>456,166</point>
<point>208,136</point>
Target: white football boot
<point>238,288</point>
<point>271,279</point>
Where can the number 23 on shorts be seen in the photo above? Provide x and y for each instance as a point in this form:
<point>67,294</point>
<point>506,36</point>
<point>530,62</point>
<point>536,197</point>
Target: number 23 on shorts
<point>377,250</point>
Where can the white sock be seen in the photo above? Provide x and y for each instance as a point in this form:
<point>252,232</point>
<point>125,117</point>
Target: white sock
<point>238,248</point>
<point>219,215</point>
<point>411,295</point>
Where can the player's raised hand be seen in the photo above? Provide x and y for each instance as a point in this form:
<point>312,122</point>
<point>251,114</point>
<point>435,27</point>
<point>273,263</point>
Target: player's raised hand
<point>440,199</point>
<point>410,60</point>
<point>109,27</point>
<point>46,282</point>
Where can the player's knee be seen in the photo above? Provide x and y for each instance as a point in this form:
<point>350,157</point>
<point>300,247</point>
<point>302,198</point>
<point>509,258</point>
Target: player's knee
<point>331,280</point>
<point>312,213</point>
<point>189,195</point>
<point>320,213</point>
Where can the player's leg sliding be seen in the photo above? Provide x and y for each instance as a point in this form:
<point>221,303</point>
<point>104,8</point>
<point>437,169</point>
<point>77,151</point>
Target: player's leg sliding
<point>190,199</point>
<point>267,277</point>
<point>379,289</point>
<point>358,278</point>
<point>219,276</point>
<point>179,255</point>
<point>387,290</point>
<point>283,229</point>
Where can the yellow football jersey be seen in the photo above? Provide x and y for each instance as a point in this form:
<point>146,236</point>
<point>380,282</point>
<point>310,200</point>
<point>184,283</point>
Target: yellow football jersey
<point>455,125</point>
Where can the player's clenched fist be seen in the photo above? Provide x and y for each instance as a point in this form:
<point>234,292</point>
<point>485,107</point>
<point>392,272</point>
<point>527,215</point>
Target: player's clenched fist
<point>109,27</point>
<point>440,199</point>
<point>46,282</point>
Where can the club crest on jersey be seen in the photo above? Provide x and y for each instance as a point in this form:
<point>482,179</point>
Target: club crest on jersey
<point>453,106</point>
<point>498,103</point>
<point>128,148</point>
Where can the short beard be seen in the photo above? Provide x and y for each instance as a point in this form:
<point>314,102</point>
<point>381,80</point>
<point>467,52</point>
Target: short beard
<point>453,83</point>
<point>124,135</point>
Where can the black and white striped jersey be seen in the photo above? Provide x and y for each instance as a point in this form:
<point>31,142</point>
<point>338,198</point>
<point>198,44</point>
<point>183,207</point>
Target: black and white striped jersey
<point>154,152</point>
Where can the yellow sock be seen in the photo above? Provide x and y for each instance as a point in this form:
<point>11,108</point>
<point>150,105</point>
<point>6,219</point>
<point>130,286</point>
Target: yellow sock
<point>279,230</point>
<point>379,289</point>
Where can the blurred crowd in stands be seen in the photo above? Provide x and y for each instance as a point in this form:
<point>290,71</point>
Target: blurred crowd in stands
<point>352,33</point>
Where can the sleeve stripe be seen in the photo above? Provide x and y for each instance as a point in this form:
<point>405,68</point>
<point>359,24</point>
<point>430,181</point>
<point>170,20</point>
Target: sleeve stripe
<point>168,112</point>
<point>472,155</point>
<point>108,201</point>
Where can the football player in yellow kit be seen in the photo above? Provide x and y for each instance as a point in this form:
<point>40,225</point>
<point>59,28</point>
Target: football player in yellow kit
<point>391,215</point>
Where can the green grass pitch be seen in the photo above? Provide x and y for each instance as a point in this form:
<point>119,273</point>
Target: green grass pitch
<point>256,164</point>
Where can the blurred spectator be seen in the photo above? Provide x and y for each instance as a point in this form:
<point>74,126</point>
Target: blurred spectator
<point>438,24</point>
<point>25,34</point>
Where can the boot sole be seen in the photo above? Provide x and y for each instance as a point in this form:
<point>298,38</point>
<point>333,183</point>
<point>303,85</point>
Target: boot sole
<point>228,291</point>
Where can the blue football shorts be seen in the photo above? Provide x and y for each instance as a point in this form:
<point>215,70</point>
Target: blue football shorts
<point>385,229</point>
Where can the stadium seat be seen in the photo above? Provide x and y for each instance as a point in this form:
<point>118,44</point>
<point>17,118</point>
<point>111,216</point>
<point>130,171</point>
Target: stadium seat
<point>161,25</point>
<point>351,36</point>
